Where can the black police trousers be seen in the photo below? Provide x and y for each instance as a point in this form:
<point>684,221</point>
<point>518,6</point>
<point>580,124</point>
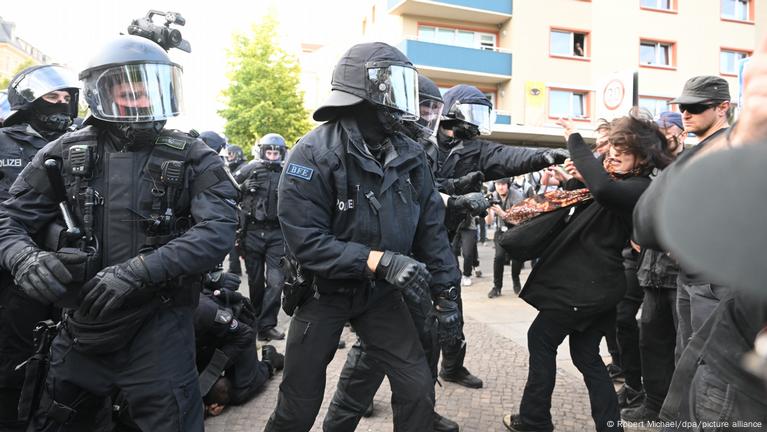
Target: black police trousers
<point>155,371</point>
<point>18,316</point>
<point>361,376</point>
<point>382,320</point>
<point>263,249</point>
<point>247,375</point>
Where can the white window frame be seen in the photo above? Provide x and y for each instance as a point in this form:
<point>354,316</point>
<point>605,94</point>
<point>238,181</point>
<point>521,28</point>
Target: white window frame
<point>745,54</point>
<point>657,46</point>
<point>656,101</point>
<point>477,44</point>
<point>571,44</point>
<point>742,6</point>
<point>659,6</point>
<point>584,103</point>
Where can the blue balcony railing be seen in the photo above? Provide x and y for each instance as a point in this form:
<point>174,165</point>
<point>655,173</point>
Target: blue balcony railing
<point>459,58</point>
<point>497,6</point>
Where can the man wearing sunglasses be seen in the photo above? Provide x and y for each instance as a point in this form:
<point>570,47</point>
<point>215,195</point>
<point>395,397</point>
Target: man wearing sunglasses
<point>704,103</point>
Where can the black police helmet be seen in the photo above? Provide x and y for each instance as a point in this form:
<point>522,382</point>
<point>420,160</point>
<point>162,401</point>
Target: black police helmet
<point>455,115</point>
<point>427,89</point>
<point>271,141</point>
<point>214,140</point>
<point>236,151</point>
<point>34,82</point>
<point>350,84</point>
<point>150,82</point>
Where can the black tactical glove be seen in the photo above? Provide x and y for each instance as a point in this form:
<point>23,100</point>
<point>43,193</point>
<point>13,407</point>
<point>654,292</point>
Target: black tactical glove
<point>250,185</point>
<point>474,202</point>
<point>471,182</point>
<point>449,319</point>
<point>555,156</point>
<point>220,280</point>
<point>405,273</point>
<point>109,289</point>
<point>41,275</point>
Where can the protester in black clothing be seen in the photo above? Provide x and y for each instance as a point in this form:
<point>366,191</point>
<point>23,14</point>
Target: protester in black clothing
<point>704,103</point>
<point>579,278</point>
<point>507,196</point>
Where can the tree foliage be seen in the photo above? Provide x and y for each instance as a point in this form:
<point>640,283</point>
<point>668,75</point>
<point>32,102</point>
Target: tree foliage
<point>5,80</point>
<point>263,95</point>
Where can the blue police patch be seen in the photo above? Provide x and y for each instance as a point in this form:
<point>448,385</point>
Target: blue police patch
<point>299,171</point>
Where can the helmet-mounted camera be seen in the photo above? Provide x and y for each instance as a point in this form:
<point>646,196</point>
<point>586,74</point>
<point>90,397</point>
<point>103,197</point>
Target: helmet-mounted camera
<point>162,35</point>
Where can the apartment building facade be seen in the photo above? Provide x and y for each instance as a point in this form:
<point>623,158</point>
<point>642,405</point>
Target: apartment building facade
<point>539,60</point>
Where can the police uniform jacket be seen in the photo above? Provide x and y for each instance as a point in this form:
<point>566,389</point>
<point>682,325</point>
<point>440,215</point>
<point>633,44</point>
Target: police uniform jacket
<point>493,159</point>
<point>259,205</point>
<point>124,181</point>
<point>337,203</point>
<point>18,145</point>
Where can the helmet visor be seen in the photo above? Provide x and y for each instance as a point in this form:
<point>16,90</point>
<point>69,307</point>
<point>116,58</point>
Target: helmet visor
<point>481,116</point>
<point>431,112</point>
<point>394,86</point>
<point>135,92</point>
<point>44,80</point>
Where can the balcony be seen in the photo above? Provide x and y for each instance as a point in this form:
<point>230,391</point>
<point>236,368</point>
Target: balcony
<point>480,11</point>
<point>454,63</point>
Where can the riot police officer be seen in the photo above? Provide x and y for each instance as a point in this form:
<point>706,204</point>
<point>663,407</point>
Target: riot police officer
<point>234,157</point>
<point>44,99</point>
<point>261,239</point>
<point>361,377</point>
<point>230,371</point>
<point>150,210</point>
<point>356,200</point>
<point>464,161</point>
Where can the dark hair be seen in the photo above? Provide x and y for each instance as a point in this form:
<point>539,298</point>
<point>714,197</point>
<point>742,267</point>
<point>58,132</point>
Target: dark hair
<point>639,135</point>
<point>219,393</point>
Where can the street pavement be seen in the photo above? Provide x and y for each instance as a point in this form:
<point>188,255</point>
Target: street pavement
<point>496,331</point>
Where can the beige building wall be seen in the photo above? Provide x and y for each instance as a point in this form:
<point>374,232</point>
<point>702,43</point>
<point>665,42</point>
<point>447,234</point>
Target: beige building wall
<point>11,58</point>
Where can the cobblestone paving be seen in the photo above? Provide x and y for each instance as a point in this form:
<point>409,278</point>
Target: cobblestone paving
<point>499,361</point>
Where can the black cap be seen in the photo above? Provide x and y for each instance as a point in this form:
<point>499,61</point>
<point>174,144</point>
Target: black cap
<point>349,80</point>
<point>703,89</point>
<point>713,223</point>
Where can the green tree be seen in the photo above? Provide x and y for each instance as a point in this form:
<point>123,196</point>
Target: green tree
<point>263,95</point>
<point>5,80</point>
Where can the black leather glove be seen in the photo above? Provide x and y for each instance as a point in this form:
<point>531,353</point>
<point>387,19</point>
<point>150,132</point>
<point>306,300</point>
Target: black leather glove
<point>449,319</point>
<point>471,182</point>
<point>555,156</point>
<point>41,275</point>
<point>474,202</point>
<point>405,273</point>
<point>220,280</point>
<point>250,185</point>
<point>109,289</point>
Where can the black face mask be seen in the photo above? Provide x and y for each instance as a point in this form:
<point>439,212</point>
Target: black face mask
<point>136,135</point>
<point>50,120</point>
<point>445,141</point>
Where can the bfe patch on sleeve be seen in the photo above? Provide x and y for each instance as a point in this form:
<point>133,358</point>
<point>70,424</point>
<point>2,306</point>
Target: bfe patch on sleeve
<point>299,171</point>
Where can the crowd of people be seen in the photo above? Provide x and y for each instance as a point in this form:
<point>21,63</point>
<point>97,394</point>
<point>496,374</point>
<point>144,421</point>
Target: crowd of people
<point>116,312</point>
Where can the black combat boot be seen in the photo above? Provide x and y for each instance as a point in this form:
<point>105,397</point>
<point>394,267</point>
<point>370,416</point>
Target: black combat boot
<point>443,424</point>
<point>271,334</point>
<point>271,357</point>
<point>462,377</point>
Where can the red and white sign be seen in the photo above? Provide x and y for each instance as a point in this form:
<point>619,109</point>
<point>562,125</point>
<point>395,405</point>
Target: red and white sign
<point>616,94</point>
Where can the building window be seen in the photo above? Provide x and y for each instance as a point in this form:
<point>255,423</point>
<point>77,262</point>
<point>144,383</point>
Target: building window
<point>457,37</point>
<point>654,105</point>
<point>569,104</point>
<point>656,53</point>
<point>729,60</point>
<point>736,9</point>
<point>657,4</point>
<point>568,43</point>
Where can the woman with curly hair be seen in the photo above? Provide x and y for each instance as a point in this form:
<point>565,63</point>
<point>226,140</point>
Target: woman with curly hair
<point>579,277</point>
